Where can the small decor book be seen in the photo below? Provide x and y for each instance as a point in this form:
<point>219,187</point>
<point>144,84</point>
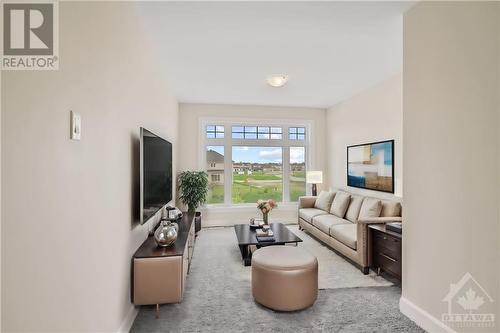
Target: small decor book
<point>264,236</point>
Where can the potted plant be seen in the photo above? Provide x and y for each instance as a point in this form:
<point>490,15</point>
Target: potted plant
<point>193,189</point>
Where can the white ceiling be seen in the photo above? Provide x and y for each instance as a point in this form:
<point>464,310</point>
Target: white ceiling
<point>222,52</point>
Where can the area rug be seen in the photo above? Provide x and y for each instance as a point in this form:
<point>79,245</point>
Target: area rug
<point>334,271</point>
<point>218,296</point>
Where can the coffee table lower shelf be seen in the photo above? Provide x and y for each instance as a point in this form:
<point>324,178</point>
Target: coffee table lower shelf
<point>246,237</point>
<point>246,253</point>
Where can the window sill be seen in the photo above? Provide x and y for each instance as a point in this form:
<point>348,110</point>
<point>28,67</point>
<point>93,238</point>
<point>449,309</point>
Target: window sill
<point>222,207</point>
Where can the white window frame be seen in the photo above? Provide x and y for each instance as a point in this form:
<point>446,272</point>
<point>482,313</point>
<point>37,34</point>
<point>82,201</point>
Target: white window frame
<point>228,142</point>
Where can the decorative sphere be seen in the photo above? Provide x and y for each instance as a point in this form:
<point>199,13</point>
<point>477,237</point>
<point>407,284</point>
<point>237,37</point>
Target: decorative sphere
<point>166,234</point>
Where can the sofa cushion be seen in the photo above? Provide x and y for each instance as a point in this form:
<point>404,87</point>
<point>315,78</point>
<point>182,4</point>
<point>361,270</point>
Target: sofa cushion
<point>340,204</point>
<point>324,222</point>
<point>352,213</point>
<point>390,208</point>
<point>371,207</point>
<point>345,233</point>
<point>308,213</point>
<point>324,200</point>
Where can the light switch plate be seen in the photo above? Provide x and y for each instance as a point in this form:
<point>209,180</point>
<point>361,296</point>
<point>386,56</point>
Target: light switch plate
<point>76,126</point>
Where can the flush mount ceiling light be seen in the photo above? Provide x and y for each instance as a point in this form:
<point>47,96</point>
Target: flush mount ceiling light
<point>278,80</point>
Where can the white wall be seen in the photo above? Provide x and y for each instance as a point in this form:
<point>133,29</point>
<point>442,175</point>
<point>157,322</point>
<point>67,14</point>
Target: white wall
<point>372,115</point>
<point>68,226</point>
<point>189,116</point>
<point>451,147</point>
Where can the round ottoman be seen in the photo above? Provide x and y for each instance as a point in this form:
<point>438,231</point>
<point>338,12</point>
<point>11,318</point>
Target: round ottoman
<point>284,278</point>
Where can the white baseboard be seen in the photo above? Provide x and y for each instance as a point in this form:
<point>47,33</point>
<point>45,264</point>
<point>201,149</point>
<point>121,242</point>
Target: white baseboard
<point>128,320</point>
<point>421,317</point>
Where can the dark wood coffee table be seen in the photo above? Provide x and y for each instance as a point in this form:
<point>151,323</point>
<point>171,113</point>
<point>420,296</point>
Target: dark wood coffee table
<point>246,236</point>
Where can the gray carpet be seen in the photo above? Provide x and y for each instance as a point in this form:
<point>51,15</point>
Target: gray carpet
<point>218,297</point>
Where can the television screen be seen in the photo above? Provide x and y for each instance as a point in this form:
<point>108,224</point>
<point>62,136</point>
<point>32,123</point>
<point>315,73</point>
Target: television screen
<point>156,173</point>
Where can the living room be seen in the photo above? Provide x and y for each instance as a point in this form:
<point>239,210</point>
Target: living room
<point>285,102</point>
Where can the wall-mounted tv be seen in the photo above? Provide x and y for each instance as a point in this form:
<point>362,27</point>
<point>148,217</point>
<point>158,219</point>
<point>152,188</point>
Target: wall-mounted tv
<point>156,174</point>
<point>371,166</point>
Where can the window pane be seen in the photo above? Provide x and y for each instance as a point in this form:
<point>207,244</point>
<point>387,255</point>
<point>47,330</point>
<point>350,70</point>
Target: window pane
<point>277,130</point>
<point>215,132</point>
<point>301,137</point>
<point>263,130</point>
<point>292,130</point>
<point>237,129</point>
<point>252,129</point>
<point>276,136</point>
<point>292,136</point>
<point>237,135</point>
<point>301,130</point>
<point>215,170</point>
<point>250,135</point>
<point>264,136</point>
<point>297,173</point>
<point>257,174</point>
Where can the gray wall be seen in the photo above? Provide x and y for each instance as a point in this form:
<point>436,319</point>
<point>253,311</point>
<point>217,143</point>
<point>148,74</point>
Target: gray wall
<point>68,226</point>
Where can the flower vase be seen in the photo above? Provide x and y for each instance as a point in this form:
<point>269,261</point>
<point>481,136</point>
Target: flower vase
<point>265,218</point>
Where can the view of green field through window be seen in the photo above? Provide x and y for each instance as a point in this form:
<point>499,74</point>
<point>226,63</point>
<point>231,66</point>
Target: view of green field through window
<point>297,173</point>
<point>257,174</point>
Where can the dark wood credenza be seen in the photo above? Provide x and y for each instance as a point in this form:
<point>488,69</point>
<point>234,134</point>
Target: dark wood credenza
<point>385,250</point>
<point>159,273</point>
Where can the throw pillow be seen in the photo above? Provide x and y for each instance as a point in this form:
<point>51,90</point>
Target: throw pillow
<point>354,207</point>
<point>340,204</point>
<point>324,200</point>
<point>391,208</point>
<point>371,207</point>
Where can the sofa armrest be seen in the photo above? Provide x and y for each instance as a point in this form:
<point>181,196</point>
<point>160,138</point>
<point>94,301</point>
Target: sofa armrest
<point>387,219</point>
<point>307,202</point>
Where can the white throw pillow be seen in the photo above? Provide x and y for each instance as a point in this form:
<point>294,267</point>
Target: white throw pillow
<point>324,200</point>
<point>340,204</point>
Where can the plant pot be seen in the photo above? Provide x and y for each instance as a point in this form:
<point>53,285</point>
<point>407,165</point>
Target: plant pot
<point>197,222</point>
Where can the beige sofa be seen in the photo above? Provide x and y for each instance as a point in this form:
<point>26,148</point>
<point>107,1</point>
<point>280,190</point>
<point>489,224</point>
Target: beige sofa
<point>340,219</point>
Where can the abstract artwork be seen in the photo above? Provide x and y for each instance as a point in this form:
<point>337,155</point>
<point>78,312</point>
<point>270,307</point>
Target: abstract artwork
<point>371,166</point>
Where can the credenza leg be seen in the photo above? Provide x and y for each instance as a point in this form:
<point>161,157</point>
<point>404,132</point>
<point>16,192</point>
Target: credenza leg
<point>157,311</point>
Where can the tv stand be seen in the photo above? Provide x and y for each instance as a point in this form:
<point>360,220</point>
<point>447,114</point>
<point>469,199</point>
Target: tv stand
<point>159,273</point>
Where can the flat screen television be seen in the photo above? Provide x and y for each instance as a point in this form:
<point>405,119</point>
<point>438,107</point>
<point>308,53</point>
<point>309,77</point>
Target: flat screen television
<point>156,174</point>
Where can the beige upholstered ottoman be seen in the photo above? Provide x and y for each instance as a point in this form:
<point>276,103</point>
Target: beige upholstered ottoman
<point>284,278</point>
